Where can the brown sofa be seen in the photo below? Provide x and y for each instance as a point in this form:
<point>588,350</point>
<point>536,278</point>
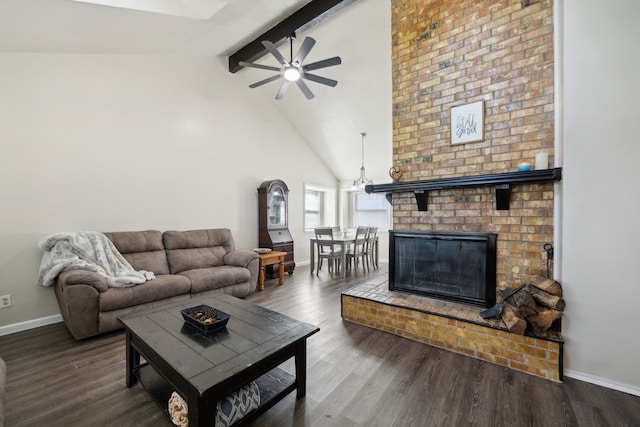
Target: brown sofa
<point>3,380</point>
<point>186,264</point>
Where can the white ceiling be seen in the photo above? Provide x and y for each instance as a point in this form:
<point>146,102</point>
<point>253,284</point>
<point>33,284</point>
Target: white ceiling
<point>330,123</point>
<point>197,9</point>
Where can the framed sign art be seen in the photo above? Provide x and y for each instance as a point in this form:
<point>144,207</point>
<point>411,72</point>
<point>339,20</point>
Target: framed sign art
<point>467,123</point>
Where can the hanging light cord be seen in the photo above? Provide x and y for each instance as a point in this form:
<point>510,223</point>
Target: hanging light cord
<point>363,135</point>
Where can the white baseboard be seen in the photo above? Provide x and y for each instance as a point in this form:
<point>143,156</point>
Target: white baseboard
<point>626,388</point>
<point>30,324</point>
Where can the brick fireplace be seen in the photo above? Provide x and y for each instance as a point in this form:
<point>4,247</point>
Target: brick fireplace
<point>448,53</point>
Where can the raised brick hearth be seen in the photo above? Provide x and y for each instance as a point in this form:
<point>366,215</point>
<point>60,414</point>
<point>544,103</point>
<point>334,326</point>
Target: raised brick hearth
<point>452,326</point>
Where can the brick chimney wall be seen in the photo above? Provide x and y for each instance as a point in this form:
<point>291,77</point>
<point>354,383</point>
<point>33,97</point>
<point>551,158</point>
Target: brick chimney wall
<point>447,53</point>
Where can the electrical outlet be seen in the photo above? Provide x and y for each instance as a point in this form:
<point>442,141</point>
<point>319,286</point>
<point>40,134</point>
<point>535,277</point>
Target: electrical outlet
<point>5,301</point>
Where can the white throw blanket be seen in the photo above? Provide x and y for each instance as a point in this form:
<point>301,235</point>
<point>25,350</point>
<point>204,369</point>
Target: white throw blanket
<point>87,250</point>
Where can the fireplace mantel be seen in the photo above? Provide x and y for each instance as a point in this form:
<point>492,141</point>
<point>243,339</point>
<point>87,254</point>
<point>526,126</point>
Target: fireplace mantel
<point>502,182</point>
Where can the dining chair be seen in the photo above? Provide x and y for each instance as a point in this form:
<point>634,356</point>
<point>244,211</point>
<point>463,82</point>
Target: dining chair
<point>327,249</point>
<point>371,247</point>
<point>358,251</point>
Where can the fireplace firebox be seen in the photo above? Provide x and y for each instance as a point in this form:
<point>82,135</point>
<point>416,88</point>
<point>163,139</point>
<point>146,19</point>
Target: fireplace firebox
<point>458,266</point>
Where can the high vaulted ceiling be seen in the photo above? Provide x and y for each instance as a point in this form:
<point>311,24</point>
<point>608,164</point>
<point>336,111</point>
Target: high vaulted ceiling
<point>330,123</point>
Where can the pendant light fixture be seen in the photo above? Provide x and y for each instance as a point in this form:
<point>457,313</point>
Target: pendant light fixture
<point>362,180</point>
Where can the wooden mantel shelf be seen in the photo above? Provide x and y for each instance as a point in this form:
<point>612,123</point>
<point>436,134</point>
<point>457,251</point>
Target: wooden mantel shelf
<point>502,182</point>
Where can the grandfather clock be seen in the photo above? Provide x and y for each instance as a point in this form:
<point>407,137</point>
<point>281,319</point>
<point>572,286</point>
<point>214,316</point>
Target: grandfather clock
<point>273,222</point>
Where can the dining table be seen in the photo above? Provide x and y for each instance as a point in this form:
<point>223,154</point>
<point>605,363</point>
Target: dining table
<point>343,240</point>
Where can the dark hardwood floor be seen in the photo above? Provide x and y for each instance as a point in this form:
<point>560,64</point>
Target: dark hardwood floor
<point>357,376</point>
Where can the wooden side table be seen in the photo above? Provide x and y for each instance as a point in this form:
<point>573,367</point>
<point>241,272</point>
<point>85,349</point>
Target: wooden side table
<point>273,257</point>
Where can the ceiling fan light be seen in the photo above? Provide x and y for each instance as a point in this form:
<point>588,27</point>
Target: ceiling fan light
<point>292,70</point>
<point>292,74</point>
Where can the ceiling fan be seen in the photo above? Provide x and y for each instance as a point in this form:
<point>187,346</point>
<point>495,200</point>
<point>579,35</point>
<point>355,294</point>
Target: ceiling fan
<point>293,70</point>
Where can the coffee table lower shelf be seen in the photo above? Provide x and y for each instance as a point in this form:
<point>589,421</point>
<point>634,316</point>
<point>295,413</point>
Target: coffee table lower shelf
<point>274,386</point>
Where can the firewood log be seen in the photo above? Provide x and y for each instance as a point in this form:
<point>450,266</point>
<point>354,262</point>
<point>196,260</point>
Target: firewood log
<point>545,298</point>
<point>548,285</point>
<point>524,304</point>
<point>544,319</point>
<point>513,322</point>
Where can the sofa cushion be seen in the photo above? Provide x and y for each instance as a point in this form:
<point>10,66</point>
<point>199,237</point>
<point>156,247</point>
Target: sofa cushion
<point>163,286</point>
<point>188,250</point>
<point>206,279</point>
<point>144,250</point>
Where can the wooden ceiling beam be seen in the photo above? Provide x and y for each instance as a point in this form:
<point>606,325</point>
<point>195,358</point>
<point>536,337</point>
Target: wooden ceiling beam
<point>301,20</point>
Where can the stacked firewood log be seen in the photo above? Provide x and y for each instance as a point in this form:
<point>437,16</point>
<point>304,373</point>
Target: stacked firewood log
<point>537,307</point>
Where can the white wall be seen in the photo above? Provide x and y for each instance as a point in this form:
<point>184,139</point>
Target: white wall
<point>115,143</point>
<point>601,200</point>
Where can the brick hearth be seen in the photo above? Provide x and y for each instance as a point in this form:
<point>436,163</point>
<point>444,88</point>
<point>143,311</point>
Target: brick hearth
<point>451,326</point>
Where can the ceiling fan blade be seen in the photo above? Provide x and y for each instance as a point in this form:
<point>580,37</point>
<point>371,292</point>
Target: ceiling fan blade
<point>265,81</point>
<point>305,89</point>
<point>304,50</point>
<point>262,67</point>
<point>322,64</point>
<point>321,80</point>
<point>283,89</point>
<point>274,51</point>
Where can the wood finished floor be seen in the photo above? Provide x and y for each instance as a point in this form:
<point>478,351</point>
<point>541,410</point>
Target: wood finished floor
<point>357,376</point>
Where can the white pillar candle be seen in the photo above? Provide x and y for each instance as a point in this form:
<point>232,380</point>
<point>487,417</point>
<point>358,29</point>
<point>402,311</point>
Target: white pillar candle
<point>542,161</point>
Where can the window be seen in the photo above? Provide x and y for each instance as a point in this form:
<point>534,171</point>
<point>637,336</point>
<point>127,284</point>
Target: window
<point>312,199</point>
<point>371,210</point>
<point>319,207</point>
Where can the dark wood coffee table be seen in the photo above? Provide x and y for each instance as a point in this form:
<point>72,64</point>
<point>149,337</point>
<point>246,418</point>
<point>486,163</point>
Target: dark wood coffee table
<point>205,368</point>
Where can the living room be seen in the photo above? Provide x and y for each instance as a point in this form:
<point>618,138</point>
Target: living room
<point>123,140</point>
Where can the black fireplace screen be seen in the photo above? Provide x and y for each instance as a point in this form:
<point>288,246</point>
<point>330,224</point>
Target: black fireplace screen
<point>455,266</point>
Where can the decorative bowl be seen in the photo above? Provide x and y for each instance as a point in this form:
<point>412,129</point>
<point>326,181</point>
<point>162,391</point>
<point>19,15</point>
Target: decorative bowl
<point>524,167</point>
<point>262,250</point>
<point>204,318</point>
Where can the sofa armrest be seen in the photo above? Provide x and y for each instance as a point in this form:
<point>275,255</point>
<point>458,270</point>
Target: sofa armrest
<point>240,258</point>
<point>83,277</point>
<point>78,295</point>
<point>247,259</point>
